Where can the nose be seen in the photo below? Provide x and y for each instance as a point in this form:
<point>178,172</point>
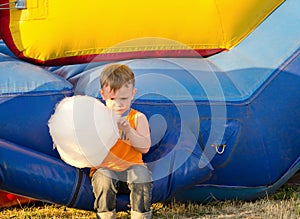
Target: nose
<point>116,103</point>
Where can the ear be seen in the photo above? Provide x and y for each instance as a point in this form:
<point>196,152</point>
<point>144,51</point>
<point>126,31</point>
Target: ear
<point>133,92</point>
<point>102,94</point>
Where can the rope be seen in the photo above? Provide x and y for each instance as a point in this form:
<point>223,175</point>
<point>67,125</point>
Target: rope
<point>3,6</point>
<point>6,4</point>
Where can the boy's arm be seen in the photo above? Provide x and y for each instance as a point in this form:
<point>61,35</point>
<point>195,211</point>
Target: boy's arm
<point>139,138</point>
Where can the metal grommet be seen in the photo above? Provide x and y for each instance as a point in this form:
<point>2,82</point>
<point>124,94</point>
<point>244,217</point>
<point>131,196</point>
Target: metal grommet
<point>220,148</point>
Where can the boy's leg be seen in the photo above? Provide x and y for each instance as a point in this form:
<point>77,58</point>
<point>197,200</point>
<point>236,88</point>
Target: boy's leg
<point>140,185</point>
<point>104,188</point>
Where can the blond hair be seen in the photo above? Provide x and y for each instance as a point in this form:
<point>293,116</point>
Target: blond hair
<point>116,75</point>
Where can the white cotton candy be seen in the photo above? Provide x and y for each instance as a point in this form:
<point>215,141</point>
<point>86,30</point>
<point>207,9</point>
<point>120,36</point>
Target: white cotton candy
<point>83,130</point>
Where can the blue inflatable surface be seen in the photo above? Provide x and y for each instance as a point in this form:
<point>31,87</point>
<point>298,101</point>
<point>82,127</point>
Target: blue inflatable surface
<point>222,127</point>
<point>28,95</point>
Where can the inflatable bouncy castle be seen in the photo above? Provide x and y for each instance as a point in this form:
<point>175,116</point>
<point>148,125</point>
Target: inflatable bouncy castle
<point>218,81</point>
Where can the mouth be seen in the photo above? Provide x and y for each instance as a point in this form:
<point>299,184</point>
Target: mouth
<point>118,111</point>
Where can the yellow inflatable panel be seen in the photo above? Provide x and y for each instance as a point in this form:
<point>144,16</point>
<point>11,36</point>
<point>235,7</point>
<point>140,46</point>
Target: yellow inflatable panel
<point>65,30</point>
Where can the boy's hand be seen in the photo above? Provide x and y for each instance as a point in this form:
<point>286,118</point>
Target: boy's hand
<point>124,125</point>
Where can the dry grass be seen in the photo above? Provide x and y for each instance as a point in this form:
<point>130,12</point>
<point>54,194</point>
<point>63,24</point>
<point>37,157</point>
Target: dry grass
<point>285,203</point>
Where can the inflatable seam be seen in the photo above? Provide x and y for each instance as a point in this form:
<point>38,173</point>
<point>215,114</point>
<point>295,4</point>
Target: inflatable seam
<point>78,185</point>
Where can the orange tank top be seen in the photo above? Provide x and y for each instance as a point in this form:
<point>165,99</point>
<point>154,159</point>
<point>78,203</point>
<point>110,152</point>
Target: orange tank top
<point>122,155</point>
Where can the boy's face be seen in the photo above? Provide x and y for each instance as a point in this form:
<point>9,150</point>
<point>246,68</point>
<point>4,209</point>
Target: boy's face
<point>120,100</point>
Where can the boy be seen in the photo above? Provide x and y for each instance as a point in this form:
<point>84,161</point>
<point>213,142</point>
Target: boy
<point>123,165</point>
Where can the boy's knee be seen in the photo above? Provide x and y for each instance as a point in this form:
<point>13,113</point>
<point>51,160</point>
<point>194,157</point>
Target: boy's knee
<point>140,174</point>
<point>103,181</point>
